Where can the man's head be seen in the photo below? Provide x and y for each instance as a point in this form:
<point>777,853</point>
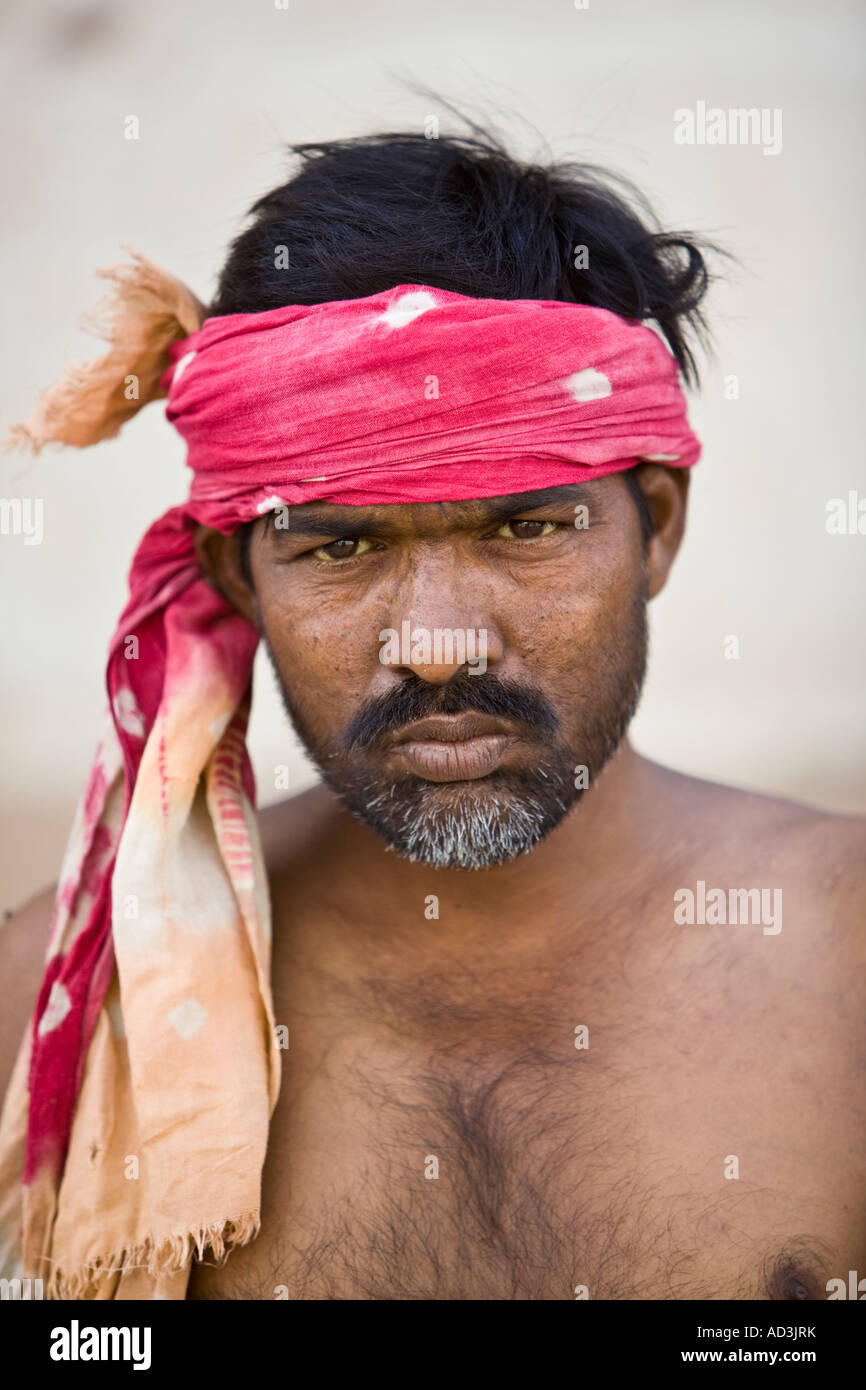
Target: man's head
<point>372,616</point>
<point>375,617</point>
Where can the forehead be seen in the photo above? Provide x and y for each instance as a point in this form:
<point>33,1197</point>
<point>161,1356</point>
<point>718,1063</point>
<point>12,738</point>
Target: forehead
<point>397,517</point>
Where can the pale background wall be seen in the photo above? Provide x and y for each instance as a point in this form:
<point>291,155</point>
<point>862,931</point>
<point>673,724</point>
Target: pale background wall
<point>219,86</point>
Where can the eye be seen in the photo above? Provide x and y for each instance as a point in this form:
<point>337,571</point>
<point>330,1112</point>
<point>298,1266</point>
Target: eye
<point>526,530</point>
<point>346,548</point>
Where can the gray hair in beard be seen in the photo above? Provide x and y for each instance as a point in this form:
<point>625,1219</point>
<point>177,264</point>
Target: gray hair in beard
<point>477,825</point>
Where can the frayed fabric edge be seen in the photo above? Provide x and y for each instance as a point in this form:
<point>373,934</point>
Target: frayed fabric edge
<point>142,314</point>
<point>158,1259</point>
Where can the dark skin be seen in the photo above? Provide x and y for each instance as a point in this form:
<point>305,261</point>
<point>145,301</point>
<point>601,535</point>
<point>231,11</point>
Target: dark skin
<point>707,1143</point>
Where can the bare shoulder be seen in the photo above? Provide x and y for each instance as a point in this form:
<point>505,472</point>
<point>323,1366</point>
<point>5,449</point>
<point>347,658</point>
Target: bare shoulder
<point>820,855</point>
<point>736,813</point>
<point>23,943</point>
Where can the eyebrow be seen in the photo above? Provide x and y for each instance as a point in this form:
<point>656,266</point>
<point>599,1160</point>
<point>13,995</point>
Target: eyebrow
<point>563,495</point>
<point>313,523</point>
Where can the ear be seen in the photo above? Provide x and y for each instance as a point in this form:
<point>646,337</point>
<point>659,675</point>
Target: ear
<point>666,491</point>
<point>221,559</point>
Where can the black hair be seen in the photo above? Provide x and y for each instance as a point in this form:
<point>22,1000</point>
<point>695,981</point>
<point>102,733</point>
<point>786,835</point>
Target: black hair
<point>460,213</point>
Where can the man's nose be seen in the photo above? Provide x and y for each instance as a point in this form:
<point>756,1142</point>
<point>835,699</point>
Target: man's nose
<point>441,621</point>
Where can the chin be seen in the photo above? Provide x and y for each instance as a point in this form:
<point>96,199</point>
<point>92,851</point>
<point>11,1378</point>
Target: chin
<point>466,825</point>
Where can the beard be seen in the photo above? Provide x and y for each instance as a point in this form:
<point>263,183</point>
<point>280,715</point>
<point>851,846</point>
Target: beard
<point>493,819</point>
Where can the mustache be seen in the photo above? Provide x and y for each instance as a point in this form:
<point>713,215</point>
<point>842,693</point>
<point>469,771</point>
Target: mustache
<point>416,699</point>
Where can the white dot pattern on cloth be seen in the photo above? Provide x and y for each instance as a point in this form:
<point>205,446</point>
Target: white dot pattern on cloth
<point>127,713</point>
<point>56,1009</point>
<point>661,458</point>
<point>187,1018</point>
<point>406,308</point>
<point>182,366</point>
<point>269,504</point>
<point>588,385</point>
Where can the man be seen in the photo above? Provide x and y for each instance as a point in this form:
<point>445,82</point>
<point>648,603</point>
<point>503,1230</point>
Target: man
<point>553,1022</point>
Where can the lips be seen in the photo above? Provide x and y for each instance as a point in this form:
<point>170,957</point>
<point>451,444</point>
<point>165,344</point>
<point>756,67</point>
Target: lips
<point>461,748</point>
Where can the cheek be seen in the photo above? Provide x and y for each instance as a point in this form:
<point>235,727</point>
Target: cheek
<point>322,652</point>
<point>570,632</point>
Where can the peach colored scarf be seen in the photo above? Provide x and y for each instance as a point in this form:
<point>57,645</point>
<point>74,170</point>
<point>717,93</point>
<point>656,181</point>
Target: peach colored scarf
<point>141,1135</point>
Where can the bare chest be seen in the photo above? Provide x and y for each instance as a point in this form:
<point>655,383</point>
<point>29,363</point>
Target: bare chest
<point>542,1158</point>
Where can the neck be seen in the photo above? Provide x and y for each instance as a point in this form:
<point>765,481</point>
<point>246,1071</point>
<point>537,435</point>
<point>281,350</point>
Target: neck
<point>569,882</point>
